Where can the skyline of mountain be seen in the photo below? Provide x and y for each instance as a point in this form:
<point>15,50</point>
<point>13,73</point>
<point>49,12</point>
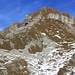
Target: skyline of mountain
<point>8,9</point>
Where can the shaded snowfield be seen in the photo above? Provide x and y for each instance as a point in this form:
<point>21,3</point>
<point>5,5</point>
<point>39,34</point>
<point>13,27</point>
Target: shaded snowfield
<point>47,62</point>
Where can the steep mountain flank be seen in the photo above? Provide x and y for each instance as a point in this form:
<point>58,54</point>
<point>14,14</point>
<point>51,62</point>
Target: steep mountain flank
<point>42,44</point>
<point>47,22</point>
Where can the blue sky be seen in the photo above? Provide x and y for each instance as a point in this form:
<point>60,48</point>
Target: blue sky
<point>15,10</point>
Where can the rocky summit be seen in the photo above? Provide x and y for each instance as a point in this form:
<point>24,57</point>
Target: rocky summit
<point>42,44</point>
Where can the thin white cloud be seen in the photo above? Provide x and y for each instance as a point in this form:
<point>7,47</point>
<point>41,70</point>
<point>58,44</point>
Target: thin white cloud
<point>62,6</point>
<point>3,17</point>
<point>1,29</point>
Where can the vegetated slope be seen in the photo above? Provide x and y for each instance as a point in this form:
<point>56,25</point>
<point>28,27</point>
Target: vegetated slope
<point>44,42</point>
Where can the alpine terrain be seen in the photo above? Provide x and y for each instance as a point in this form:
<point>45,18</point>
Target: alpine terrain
<point>42,44</point>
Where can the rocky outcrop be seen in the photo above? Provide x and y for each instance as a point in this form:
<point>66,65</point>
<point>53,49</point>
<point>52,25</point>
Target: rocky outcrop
<point>16,66</point>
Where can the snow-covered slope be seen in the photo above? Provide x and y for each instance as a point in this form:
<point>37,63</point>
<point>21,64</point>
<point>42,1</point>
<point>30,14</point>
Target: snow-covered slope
<point>53,60</point>
<point>43,44</point>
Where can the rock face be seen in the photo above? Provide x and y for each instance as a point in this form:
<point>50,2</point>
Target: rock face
<point>42,44</point>
<point>56,25</point>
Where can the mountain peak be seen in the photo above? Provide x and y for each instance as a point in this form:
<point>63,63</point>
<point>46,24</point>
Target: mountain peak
<point>52,10</point>
<point>47,8</point>
<point>45,11</point>
<point>45,38</point>
<point>46,20</point>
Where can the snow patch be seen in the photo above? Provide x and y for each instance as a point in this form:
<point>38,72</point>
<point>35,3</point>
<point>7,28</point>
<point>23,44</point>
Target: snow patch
<point>43,34</point>
<point>58,36</point>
